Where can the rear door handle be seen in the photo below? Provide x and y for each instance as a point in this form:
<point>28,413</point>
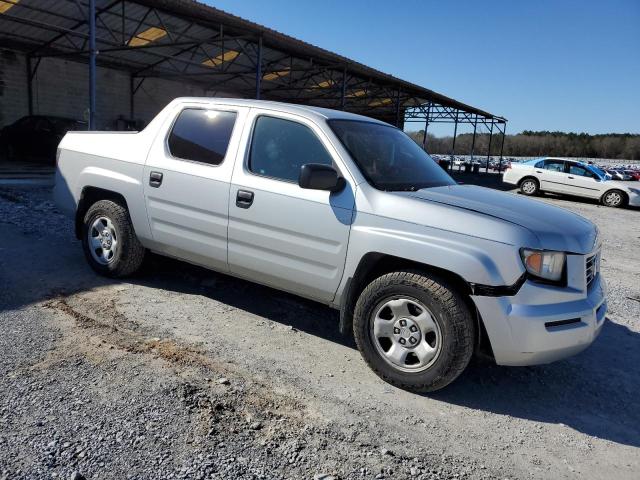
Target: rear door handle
<point>538,171</point>
<point>244,199</point>
<point>570,177</point>
<point>155,179</point>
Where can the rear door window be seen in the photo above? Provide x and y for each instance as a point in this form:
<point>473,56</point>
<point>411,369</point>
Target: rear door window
<point>201,135</point>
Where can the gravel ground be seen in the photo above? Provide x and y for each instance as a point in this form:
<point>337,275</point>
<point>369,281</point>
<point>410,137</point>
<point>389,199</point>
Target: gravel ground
<point>185,373</point>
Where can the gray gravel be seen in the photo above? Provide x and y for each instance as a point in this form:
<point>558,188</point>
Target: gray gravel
<point>184,373</point>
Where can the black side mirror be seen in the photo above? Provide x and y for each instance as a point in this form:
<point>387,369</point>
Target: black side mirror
<point>316,176</point>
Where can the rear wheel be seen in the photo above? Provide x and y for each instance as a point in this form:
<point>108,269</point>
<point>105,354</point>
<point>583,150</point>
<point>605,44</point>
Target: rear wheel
<point>613,198</point>
<point>530,186</point>
<point>414,330</point>
<point>109,241</point>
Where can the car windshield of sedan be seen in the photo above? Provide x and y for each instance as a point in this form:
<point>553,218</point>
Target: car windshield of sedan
<point>388,157</point>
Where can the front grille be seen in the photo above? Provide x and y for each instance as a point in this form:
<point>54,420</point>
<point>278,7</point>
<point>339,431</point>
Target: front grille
<point>591,269</point>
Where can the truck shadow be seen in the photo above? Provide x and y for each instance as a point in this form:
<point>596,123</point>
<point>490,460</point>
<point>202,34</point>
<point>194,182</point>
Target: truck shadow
<point>275,305</point>
<point>595,392</point>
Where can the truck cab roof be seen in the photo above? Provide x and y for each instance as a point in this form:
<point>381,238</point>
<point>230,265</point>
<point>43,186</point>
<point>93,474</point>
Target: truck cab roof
<point>304,110</point>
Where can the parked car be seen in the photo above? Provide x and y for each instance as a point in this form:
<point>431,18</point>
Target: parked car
<point>36,137</point>
<point>559,175</point>
<point>618,175</point>
<point>634,174</point>
<point>625,176</point>
<point>348,211</point>
<point>501,167</point>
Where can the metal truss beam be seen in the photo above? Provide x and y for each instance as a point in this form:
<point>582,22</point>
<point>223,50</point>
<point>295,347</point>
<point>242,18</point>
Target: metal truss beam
<point>103,38</point>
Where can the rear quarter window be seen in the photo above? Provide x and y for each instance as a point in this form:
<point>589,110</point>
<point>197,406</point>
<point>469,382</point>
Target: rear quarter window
<point>201,135</point>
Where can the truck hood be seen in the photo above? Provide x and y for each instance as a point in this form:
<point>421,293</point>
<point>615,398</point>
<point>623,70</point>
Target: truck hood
<point>555,228</point>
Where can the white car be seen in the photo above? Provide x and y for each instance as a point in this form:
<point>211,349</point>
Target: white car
<point>559,175</point>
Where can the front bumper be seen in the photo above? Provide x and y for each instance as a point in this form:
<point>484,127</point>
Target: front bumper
<point>541,323</point>
<point>634,199</point>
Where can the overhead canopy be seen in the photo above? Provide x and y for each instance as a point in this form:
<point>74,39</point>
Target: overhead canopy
<point>191,42</point>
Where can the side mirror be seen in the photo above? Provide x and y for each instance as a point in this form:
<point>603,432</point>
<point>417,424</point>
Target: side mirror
<point>316,176</point>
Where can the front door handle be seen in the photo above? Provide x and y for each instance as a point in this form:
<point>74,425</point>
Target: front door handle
<point>570,177</point>
<point>244,199</point>
<point>155,179</point>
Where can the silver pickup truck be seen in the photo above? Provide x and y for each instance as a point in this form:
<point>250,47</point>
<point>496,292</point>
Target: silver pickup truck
<point>347,211</point>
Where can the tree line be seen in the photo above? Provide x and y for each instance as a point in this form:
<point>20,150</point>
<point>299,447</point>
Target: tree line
<point>537,144</point>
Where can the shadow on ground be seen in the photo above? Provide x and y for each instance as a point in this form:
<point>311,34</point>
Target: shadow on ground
<point>304,315</point>
<point>595,393</point>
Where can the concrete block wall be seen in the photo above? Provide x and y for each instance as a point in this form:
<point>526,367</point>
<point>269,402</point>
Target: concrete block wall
<point>61,87</point>
<point>13,87</point>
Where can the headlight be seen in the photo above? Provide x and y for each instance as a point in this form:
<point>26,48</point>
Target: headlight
<point>544,264</point>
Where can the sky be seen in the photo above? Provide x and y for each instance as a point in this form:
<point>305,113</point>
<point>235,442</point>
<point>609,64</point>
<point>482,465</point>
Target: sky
<point>545,65</point>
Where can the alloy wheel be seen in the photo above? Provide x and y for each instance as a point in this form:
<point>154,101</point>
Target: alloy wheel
<point>103,240</point>
<point>406,334</point>
<point>529,187</point>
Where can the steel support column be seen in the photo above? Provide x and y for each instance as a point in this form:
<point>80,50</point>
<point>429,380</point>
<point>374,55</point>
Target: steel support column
<point>426,127</point>
<point>398,109</point>
<point>473,139</point>
<point>486,169</point>
<point>92,64</point>
<point>453,146</point>
<point>343,93</point>
<point>29,84</point>
<point>259,68</point>
<point>131,99</point>
<point>504,133</point>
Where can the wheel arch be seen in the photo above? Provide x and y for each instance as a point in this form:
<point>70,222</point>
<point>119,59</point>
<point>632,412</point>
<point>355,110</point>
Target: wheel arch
<point>375,264</point>
<point>529,177</point>
<point>88,197</point>
<point>625,196</point>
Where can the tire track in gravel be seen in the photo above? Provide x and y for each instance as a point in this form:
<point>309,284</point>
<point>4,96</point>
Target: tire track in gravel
<point>299,441</point>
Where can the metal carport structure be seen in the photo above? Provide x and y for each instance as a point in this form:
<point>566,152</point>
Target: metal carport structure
<point>192,42</point>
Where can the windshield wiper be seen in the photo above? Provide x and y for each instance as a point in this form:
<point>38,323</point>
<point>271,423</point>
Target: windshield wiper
<point>399,188</point>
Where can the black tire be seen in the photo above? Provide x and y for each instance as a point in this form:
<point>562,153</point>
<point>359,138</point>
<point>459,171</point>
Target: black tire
<point>128,257</point>
<point>449,311</point>
<point>529,186</point>
<point>614,198</point>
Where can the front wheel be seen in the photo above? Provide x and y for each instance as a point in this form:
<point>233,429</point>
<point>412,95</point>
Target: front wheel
<point>109,241</point>
<point>613,198</point>
<point>414,330</point>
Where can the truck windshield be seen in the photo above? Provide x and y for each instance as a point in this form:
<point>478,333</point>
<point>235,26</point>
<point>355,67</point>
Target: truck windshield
<point>388,158</point>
